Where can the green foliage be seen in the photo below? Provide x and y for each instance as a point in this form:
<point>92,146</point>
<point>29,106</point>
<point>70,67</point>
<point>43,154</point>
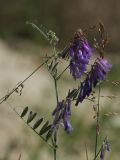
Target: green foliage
<point>37,123</point>
<point>24,112</point>
<point>43,129</point>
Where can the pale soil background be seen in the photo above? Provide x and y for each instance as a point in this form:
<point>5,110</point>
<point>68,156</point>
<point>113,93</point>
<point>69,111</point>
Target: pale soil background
<point>15,137</point>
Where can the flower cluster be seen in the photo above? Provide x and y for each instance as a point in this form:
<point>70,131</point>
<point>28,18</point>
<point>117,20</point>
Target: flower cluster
<point>61,115</point>
<point>105,147</point>
<point>80,53</point>
<point>98,73</point>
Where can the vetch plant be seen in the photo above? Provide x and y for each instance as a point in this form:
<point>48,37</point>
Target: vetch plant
<point>78,54</point>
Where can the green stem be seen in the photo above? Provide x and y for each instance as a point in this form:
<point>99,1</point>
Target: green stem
<point>97,154</point>
<point>55,149</point>
<point>97,125</point>
<point>36,27</point>
<point>56,91</point>
<point>86,152</point>
<point>58,77</point>
<point>55,135</point>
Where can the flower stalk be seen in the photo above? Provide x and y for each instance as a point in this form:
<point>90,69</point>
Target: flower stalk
<point>97,123</point>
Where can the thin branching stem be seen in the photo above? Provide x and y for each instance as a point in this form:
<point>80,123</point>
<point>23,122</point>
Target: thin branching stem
<point>37,28</point>
<point>55,136</point>
<point>86,151</point>
<point>57,100</point>
<point>97,124</point>
<point>97,154</point>
<point>55,149</point>
<point>22,82</point>
<point>58,77</point>
<point>56,90</point>
<point>90,99</point>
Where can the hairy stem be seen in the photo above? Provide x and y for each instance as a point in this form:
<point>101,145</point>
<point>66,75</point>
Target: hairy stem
<point>37,28</point>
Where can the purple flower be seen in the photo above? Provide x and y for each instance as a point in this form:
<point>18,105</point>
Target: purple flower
<point>99,70</point>
<point>82,94</point>
<point>105,147</point>
<point>105,65</point>
<point>62,115</point>
<point>85,89</point>
<point>66,117</point>
<point>98,73</point>
<point>77,69</point>
<point>80,53</point>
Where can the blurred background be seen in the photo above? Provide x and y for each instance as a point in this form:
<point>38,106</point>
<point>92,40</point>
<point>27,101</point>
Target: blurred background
<point>21,49</point>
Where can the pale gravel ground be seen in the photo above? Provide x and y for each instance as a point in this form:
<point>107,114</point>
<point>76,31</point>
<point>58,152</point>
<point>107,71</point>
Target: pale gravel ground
<point>14,67</point>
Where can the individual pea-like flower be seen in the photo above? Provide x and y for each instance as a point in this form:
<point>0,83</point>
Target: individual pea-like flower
<point>85,89</point>
<point>98,73</point>
<point>99,70</point>
<point>76,69</point>
<point>105,147</point>
<point>62,114</point>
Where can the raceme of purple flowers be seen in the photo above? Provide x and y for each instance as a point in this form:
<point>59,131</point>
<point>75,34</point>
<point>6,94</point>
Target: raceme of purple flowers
<point>61,115</point>
<point>80,53</point>
<point>97,74</point>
